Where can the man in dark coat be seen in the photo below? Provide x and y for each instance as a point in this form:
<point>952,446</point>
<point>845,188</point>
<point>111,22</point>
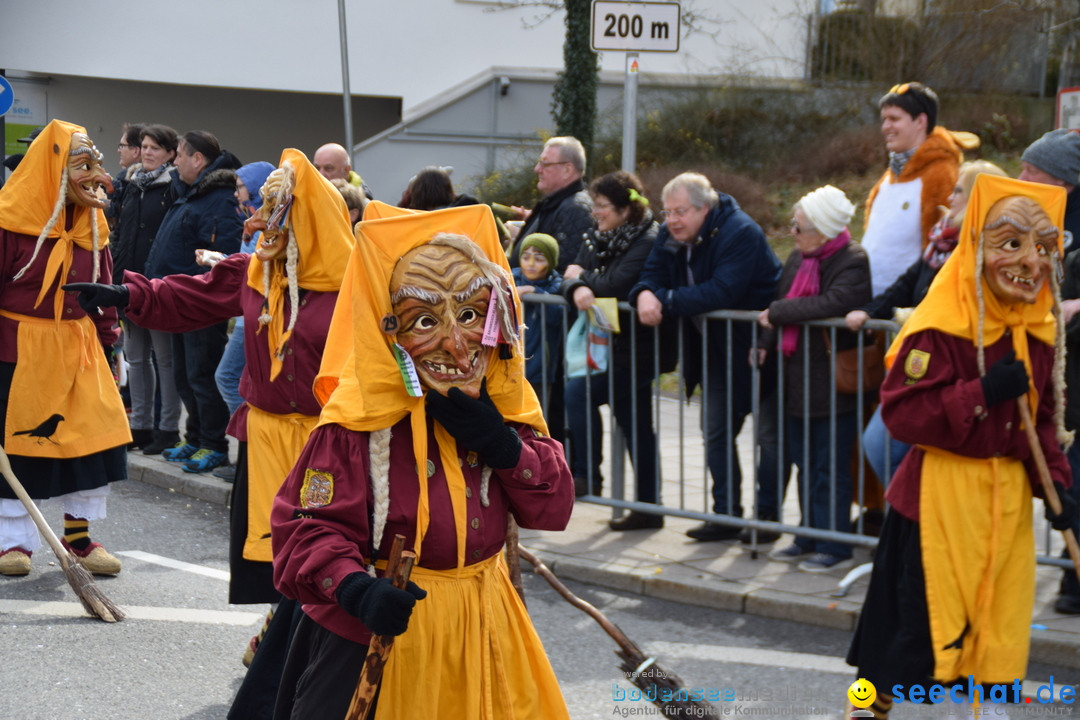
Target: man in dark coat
<point>206,215</point>
<point>565,211</point>
<point>710,255</point>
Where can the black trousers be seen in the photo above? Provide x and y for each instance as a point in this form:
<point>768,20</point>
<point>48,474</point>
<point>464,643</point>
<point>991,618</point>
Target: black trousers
<point>320,674</point>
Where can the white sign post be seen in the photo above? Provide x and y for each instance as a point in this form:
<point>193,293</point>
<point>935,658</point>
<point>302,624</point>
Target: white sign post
<point>634,27</point>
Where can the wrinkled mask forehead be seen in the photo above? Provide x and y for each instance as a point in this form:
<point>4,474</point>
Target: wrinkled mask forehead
<point>438,269</point>
<point>85,172</point>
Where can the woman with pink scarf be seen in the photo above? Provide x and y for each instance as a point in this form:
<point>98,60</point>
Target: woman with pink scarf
<point>824,277</point>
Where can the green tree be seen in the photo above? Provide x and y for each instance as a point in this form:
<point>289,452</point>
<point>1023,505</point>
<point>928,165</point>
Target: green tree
<point>573,104</point>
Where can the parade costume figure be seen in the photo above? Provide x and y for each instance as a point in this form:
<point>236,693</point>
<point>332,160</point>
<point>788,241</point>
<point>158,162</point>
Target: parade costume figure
<point>430,431</point>
<point>953,584</point>
<point>286,292</point>
<point>62,420</point>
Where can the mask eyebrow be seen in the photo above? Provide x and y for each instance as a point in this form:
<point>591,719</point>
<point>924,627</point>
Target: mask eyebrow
<point>411,291</point>
<point>475,286</point>
<point>1010,220</point>
<point>1048,232</point>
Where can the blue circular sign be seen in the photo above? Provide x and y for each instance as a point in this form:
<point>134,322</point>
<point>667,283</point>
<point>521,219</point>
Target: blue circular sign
<point>7,95</point>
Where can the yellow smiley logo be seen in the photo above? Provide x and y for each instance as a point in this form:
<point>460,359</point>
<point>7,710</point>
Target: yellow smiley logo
<point>862,693</point>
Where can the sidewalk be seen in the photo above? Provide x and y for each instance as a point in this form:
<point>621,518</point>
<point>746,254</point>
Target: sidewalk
<point>666,564</point>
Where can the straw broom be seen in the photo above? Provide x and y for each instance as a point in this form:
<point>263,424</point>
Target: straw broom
<point>92,599</point>
<point>662,687</point>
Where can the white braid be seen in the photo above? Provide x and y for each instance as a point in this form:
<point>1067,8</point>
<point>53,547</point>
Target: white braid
<point>379,462</point>
<point>1064,435</point>
<point>292,261</point>
<point>265,317</point>
<point>60,201</point>
<point>485,483</point>
<point>981,303</point>
<point>96,243</point>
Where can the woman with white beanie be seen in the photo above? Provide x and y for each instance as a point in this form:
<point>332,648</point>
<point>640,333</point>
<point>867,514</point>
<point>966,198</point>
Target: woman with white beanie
<point>826,276</point>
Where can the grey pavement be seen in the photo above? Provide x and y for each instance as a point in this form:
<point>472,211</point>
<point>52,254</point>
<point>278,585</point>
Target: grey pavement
<point>664,563</point>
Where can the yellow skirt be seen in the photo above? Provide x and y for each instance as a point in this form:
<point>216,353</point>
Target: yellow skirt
<point>470,652</point>
<point>274,442</point>
<point>978,550</point>
<point>63,401</point>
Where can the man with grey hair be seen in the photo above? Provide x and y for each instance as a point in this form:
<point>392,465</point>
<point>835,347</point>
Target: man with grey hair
<point>710,255</point>
<point>565,211</point>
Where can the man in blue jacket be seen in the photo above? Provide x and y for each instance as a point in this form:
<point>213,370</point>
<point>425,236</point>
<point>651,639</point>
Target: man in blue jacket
<point>206,215</point>
<point>710,255</point>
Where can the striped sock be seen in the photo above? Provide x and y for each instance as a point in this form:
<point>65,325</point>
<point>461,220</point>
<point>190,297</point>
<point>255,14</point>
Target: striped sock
<point>881,707</point>
<point>76,532</point>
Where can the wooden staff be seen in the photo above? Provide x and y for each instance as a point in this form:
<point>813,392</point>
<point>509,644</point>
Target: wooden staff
<point>398,567</point>
<point>513,559</point>
<point>1049,492</point>
<point>78,577</point>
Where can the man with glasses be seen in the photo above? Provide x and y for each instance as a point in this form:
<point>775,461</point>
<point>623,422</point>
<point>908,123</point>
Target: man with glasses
<point>924,162</point>
<point>710,255</point>
<point>565,211</point>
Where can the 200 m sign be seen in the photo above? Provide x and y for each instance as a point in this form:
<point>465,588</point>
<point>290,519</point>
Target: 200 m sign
<point>635,26</point>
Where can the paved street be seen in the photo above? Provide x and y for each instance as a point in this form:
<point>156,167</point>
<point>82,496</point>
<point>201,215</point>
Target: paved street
<point>178,654</point>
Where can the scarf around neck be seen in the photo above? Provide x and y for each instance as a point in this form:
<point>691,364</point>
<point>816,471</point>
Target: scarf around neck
<point>807,282</point>
<point>143,179</point>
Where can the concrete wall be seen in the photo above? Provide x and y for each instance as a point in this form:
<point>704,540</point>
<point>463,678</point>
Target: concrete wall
<point>253,124</point>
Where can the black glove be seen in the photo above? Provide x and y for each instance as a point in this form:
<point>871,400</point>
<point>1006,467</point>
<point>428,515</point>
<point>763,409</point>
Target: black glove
<point>1067,517</point>
<point>477,425</point>
<point>98,295</point>
<point>1007,379</point>
<point>379,605</point>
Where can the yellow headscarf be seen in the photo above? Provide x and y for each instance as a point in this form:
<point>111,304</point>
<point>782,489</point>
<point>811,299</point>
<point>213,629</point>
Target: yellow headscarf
<point>319,225</point>
<point>950,305</point>
<point>29,197</point>
<point>359,380</point>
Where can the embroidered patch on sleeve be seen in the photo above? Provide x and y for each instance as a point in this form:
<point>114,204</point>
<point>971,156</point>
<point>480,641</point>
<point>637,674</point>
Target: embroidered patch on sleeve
<point>318,488</point>
<point>916,364</point>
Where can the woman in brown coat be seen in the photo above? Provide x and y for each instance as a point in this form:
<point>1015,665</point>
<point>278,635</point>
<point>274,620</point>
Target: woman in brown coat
<point>826,276</point>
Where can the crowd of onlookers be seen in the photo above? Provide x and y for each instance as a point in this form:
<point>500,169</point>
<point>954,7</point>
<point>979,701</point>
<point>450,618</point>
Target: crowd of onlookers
<point>691,251</point>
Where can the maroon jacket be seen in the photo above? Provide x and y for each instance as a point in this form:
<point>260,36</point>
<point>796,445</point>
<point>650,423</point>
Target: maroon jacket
<point>179,303</point>
<point>946,408</point>
<point>18,296</point>
<point>316,547</point>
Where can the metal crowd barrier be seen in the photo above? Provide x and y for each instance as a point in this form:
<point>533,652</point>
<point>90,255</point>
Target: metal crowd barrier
<point>684,482</point>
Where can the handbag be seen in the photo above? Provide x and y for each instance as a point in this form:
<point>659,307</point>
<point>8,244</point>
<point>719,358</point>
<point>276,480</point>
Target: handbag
<point>847,364</point>
<point>588,346</point>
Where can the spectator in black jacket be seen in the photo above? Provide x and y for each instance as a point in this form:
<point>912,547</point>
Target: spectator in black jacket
<point>608,265</point>
<point>565,210</point>
<point>148,194</point>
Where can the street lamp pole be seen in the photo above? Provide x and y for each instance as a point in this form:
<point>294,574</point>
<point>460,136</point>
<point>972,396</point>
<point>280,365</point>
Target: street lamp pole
<point>347,94</point>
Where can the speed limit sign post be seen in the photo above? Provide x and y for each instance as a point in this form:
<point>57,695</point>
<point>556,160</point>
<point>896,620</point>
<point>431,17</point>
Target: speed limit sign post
<point>634,27</point>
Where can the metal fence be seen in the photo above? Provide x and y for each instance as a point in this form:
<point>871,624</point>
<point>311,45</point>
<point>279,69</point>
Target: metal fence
<point>683,484</point>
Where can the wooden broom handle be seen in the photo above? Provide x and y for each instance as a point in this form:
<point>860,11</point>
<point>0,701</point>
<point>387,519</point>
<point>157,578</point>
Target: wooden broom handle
<point>398,567</point>
<point>1049,491</point>
<point>31,506</point>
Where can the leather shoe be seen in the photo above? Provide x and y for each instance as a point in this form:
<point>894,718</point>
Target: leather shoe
<point>1067,604</point>
<point>95,558</point>
<point>15,562</point>
<point>711,532</point>
<point>637,521</point>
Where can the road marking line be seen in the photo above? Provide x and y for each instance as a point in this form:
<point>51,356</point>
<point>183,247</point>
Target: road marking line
<point>752,656</point>
<point>175,564</point>
<point>135,612</point>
